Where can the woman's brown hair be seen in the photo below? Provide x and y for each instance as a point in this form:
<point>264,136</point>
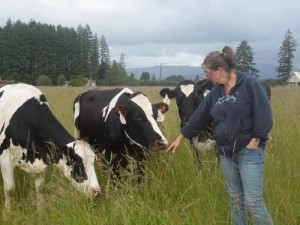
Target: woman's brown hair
<point>216,59</point>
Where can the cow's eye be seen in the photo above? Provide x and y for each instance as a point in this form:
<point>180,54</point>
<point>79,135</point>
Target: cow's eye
<point>78,173</point>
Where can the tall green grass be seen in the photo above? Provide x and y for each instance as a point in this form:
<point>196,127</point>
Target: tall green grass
<point>176,191</point>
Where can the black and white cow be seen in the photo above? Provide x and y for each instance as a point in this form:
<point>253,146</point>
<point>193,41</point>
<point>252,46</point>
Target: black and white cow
<point>31,138</point>
<point>188,95</point>
<point>122,122</point>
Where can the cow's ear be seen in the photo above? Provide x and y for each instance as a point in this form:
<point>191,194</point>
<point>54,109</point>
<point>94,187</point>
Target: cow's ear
<point>167,100</point>
<point>122,112</point>
<point>166,91</point>
<point>162,108</point>
<point>203,85</point>
<point>199,89</point>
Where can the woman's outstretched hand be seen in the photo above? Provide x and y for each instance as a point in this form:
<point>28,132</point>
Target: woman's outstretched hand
<point>173,147</point>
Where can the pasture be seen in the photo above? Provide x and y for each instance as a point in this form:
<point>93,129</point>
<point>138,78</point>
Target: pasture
<point>176,191</point>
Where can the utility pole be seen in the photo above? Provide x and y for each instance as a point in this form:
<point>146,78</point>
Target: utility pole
<point>160,69</point>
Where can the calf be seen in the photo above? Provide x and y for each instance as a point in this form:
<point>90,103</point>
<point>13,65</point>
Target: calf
<point>31,138</point>
<point>122,122</point>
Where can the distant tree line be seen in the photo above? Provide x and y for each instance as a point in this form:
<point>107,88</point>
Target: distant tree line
<point>41,53</point>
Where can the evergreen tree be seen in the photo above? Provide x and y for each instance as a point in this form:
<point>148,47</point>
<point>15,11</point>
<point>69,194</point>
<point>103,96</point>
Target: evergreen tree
<point>84,36</point>
<point>112,76</point>
<point>244,59</point>
<point>94,56</point>
<point>153,77</point>
<point>285,64</point>
<point>122,61</point>
<point>104,55</point>
<point>33,49</point>
<point>145,76</point>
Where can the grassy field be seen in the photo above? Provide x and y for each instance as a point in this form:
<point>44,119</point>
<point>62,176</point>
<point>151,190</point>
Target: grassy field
<point>175,192</point>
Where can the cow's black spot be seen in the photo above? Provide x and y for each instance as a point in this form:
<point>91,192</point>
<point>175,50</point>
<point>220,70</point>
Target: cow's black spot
<point>43,98</point>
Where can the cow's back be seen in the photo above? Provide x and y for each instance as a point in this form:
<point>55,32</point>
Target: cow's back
<point>12,98</point>
<point>90,110</point>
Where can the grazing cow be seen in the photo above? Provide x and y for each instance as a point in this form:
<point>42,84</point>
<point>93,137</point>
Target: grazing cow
<point>31,138</point>
<point>123,123</point>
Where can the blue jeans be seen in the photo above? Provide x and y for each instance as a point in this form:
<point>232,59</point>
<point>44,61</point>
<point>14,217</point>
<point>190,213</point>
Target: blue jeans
<point>243,174</point>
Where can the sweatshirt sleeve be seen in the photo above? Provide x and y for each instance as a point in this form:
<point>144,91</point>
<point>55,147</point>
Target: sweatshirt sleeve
<point>200,118</point>
<point>262,113</point>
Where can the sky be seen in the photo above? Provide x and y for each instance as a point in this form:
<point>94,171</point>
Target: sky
<point>173,32</point>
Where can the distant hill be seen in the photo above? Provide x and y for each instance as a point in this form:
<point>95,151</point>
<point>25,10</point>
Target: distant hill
<point>190,72</point>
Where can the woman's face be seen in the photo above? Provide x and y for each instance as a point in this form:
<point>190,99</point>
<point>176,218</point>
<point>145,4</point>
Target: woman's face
<point>217,76</point>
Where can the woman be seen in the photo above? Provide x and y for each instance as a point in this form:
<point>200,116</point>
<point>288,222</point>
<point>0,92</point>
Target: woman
<point>242,116</point>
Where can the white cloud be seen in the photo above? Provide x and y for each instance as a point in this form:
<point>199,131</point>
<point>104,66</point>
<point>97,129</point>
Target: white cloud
<point>180,32</point>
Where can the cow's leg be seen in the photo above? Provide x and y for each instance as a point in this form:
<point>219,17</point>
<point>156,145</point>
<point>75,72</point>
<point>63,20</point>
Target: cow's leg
<point>141,156</point>
<point>115,165</point>
<point>135,167</point>
<point>7,170</point>
<point>39,183</point>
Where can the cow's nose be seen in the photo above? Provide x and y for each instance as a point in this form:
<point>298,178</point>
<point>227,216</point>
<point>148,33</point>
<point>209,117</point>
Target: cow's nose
<point>161,144</point>
<point>96,191</point>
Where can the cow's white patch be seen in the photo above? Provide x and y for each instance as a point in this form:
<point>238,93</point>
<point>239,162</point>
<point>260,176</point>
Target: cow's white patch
<point>144,103</point>
<point>203,146</point>
<point>76,110</point>
<point>160,116</point>
<point>206,92</point>
<point>187,89</point>
<point>15,154</point>
<point>106,110</point>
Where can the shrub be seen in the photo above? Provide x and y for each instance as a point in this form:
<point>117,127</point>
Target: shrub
<point>43,80</point>
<point>61,80</point>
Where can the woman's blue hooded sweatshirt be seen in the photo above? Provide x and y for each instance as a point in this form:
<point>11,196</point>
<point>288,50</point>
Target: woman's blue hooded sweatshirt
<point>243,114</point>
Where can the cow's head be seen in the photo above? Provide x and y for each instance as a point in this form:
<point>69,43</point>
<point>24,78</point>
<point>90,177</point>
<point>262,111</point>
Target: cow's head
<point>188,96</point>
<point>138,122</point>
<point>158,111</point>
<point>80,168</point>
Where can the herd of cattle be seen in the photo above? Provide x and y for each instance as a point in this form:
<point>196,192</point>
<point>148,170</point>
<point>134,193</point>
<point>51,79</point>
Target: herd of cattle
<point>119,123</point>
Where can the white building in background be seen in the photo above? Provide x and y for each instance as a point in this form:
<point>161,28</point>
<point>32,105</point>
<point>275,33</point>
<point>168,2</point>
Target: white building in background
<point>294,79</point>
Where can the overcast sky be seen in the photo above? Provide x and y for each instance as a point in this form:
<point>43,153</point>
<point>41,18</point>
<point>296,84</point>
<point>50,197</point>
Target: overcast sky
<point>176,32</point>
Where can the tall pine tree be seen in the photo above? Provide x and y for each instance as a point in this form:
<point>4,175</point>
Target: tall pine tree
<point>244,59</point>
<point>104,55</point>
<point>285,55</point>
